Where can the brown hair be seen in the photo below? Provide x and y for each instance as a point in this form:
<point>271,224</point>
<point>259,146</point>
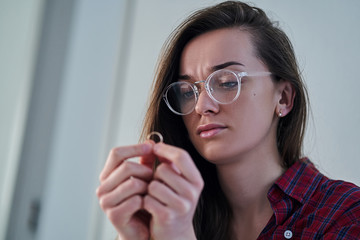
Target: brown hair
<point>213,214</point>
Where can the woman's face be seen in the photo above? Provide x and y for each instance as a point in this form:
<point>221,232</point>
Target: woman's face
<point>224,133</point>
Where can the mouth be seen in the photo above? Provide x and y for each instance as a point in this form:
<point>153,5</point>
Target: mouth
<point>209,130</point>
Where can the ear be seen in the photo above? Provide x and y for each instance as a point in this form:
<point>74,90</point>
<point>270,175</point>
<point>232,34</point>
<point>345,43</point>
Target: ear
<point>286,98</point>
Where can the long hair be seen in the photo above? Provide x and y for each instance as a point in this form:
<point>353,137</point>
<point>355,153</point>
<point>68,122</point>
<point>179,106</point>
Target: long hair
<point>213,214</point>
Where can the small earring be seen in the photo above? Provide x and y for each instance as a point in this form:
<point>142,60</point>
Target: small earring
<point>280,113</point>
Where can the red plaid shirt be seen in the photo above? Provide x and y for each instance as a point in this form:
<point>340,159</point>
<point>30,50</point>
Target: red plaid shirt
<point>308,205</point>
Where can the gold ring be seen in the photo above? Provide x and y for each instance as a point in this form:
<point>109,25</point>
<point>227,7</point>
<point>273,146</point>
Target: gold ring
<point>161,139</point>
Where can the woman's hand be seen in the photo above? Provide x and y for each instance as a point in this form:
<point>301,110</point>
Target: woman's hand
<point>123,185</point>
<point>173,194</point>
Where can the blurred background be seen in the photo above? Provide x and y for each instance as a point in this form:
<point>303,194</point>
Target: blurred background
<point>74,82</point>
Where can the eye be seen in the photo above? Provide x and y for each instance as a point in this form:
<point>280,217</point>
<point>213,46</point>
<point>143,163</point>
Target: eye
<point>188,94</point>
<point>224,81</point>
<point>228,84</point>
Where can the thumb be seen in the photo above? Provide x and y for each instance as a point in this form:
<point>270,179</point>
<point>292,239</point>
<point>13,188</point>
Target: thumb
<point>149,159</point>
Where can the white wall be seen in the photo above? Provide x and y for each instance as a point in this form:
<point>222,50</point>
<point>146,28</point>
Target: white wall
<point>111,55</point>
<point>18,45</point>
<point>81,127</point>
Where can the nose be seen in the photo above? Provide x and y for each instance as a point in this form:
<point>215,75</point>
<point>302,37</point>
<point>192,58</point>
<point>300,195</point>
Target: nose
<point>205,105</point>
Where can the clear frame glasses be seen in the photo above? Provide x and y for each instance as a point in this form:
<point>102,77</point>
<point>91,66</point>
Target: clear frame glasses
<point>223,86</point>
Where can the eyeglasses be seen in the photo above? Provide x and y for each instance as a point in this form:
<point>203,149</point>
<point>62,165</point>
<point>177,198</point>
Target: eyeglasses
<point>223,86</point>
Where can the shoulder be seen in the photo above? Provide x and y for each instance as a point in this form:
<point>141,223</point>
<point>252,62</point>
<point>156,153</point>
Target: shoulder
<point>335,204</point>
<point>304,183</point>
<point>340,189</point>
<point>337,198</point>
<point>338,204</point>
<point>319,195</point>
<point>329,207</point>
<point>310,186</point>
<point>313,206</point>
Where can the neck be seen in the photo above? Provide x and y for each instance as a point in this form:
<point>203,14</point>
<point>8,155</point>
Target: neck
<point>245,183</point>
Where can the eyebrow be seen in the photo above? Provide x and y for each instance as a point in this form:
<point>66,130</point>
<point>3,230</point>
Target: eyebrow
<point>226,64</point>
<point>213,68</point>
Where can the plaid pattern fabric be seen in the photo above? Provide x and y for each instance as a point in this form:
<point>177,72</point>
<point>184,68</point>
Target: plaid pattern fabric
<point>308,205</point>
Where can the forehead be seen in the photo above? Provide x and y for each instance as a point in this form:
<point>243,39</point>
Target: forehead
<point>216,47</point>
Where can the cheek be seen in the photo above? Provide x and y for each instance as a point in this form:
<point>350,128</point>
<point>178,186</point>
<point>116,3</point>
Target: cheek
<point>261,97</point>
<point>253,114</point>
<point>189,122</point>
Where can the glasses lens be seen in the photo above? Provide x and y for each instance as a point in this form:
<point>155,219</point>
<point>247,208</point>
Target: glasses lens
<point>181,97</point>
<point>224,86</point>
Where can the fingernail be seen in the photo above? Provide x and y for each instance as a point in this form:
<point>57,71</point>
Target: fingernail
<point>176,169</point>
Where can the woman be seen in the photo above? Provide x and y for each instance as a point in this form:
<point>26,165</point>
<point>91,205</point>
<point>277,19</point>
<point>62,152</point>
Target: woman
<point>231,105</point>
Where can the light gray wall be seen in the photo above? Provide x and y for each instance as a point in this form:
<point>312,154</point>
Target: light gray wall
<point>107,67</point>
<point>19,37</point>
<point>82,116</point>
<point>73,75</point>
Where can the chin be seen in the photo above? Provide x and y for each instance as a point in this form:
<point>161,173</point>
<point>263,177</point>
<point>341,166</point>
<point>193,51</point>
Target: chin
<point>218,154</point>
<point>214,154</point>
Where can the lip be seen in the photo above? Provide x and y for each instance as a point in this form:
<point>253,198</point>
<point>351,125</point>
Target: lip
<point>209,130</point>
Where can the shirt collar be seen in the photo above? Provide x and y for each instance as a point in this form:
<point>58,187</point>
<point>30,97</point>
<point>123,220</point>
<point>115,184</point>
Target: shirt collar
<point>297,183</point>
<point>300,180</point>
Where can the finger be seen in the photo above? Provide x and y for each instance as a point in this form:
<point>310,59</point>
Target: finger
<point>166,174</point>
<point>163,194</point>
<point>148,159</point>
<point>153,206</point>
<point>132,186</point>
<point>157,190</point>
<point>121,214</point>
<point>122,173</point>
<point>118,155</point>
<point>181,159</point>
